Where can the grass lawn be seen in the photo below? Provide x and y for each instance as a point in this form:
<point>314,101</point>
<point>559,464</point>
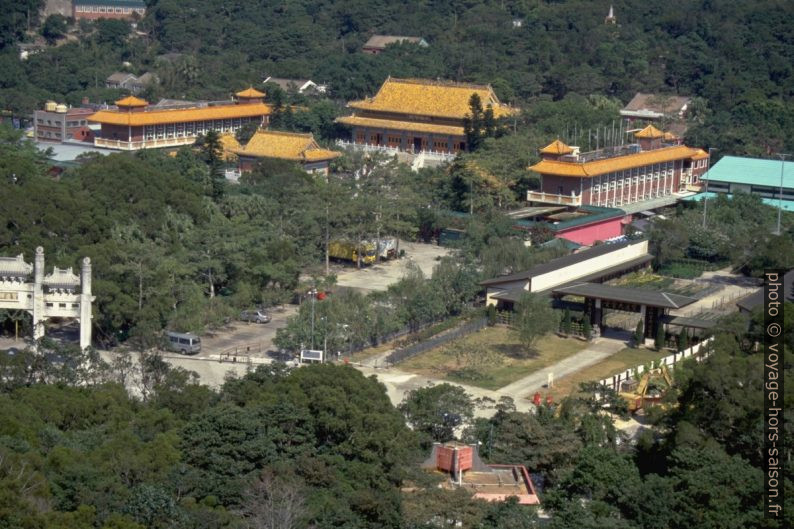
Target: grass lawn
<point>618,362</point>
<point>495,362</point>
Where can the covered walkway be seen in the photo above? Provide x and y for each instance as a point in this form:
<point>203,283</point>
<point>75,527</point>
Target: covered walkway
<point>652,305</point>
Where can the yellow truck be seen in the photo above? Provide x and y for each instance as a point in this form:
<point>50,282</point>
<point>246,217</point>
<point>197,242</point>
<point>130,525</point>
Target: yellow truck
<point>350,251</point>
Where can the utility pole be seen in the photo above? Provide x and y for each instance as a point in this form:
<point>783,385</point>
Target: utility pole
<point>313,294</point>
<point>783,157</point>
<point>706,194</point>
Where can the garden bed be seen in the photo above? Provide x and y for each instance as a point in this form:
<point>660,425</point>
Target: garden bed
<point>491,358</point>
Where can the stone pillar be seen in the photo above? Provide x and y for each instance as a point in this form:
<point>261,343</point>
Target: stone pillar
<point>38,294</point>
<point>598,316</point>
<point>85,304</point>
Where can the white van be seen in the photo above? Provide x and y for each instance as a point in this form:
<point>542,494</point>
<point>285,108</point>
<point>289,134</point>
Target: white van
<point>183,342</point>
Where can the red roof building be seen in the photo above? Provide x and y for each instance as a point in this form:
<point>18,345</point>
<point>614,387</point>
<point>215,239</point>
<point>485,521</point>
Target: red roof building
<point>464,468</point>
<point>656,165</point>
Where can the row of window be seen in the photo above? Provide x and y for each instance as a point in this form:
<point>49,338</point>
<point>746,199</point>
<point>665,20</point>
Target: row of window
<point>62,305</point>
<point>103,9</point>
<point>397,142</point>
<point>48,134</point>
<point>193,128</point>
<point>625,181</point>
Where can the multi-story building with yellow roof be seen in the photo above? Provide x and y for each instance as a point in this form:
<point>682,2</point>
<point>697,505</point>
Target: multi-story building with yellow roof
<point>292,146</point>
<point>657,165</point>
<point>417,115</point>
<point>136,125</point>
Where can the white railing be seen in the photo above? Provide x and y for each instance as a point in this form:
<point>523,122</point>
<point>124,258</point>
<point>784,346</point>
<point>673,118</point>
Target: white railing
<point>700,351</point>
<point>428,154</point>
<point>143,144</point>
<point>233,175</point>
<point>551,198</point>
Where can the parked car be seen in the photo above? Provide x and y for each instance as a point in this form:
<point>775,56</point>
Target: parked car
<point>256,316</point>
<point>183,342</point>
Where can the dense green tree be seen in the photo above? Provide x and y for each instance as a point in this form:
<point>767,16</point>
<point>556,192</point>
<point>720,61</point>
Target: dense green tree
<point>54,28</point>
<point>435,411</point>
<point>534,318</point>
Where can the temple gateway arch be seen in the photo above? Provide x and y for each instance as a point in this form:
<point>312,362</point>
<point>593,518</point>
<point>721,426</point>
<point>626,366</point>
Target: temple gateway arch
<point>61,294</point>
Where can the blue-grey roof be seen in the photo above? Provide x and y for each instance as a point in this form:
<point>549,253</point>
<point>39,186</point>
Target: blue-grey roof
<point>756,171</point>
<point>68,152</point>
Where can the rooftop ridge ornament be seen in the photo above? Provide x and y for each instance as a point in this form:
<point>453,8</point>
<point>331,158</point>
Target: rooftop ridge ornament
<point>15,266</point>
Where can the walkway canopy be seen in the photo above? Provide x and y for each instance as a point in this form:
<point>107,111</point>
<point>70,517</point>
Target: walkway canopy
<point>632,296</point>
<point>651,304</point>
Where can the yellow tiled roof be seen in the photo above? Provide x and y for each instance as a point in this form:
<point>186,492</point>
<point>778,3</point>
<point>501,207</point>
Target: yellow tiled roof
<point>556,147</point>
<point>402,125</point>
<point>700,155</point>
<point>669,136</point>
<point>649,132</point>
<point>250,93</point>
<point>430,98</point>
<point>230,144</point>
<point>286,146</point>
<point>618,163</point>
<point>159,117</point>
<point>132,101</point>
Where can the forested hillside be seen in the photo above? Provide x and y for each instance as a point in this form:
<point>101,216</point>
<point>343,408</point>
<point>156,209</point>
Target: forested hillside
<point>734,57</point>
<point>322,447</point>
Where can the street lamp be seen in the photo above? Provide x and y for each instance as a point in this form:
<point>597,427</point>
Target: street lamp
<point>780,196</point>
<point>706,194</point>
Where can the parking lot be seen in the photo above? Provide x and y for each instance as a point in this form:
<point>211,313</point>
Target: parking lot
<point>244,339</point>
<point>380,276</point>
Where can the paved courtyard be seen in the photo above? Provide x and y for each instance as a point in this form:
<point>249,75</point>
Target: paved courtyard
<point>380,276</point>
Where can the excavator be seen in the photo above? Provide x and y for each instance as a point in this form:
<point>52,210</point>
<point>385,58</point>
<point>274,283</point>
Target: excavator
<point>637,398</point>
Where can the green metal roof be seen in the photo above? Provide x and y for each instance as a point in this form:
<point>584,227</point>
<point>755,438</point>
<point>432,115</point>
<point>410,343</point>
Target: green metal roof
<point>756,171</point>
<point>596,214</point>
<point>787,205</point>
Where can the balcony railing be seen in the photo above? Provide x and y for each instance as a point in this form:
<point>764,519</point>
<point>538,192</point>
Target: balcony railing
<point>427,153</point>
<point>144,144</point>
<point>550,198</point>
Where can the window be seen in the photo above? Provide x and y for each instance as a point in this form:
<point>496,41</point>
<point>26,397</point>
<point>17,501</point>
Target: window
<point>49,305</point>
<point>61,305</point>
<point>597,188</point>
<point>75,305</point>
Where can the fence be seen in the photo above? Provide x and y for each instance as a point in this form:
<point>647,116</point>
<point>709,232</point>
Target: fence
<point>417,348</point>
<point>699,351</point>
<point>242,353</point>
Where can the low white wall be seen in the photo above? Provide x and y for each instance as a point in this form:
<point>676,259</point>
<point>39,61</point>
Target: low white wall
<point>596,264</point>
<point>615,381</point>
